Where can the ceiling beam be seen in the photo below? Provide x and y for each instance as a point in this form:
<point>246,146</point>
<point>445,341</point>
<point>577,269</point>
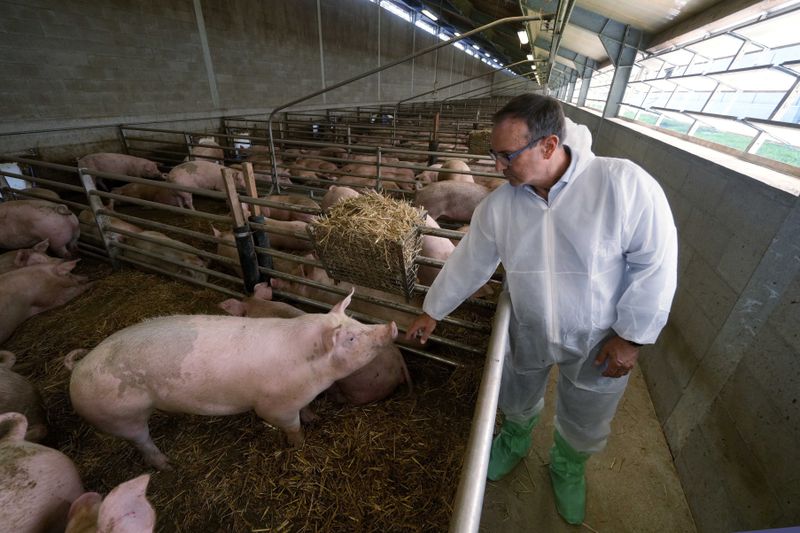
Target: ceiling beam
<point>719,16</point>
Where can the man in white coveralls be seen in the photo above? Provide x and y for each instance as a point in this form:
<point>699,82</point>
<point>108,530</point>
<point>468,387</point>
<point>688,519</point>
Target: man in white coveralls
<point>589,249</point>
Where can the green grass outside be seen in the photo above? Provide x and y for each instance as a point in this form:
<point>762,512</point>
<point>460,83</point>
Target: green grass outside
<point>777,152</point>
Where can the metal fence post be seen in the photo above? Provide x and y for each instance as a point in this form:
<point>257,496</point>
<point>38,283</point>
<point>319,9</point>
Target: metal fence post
<point>95,204</point>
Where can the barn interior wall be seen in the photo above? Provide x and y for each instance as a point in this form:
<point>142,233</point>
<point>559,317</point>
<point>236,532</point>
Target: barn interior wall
<point>724,376</point>
<point>89,65</point>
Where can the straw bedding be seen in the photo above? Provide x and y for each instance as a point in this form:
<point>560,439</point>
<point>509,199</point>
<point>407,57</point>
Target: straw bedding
<point>390,466</point>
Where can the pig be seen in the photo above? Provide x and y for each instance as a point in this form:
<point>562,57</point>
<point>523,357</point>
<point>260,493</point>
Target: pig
<point>451,171</point>
<point>218,365</point>
<point>31,290</point>
<point>152,193</point>
<point>86,217</point>
<point>429,176</point>
<point>453,200</point>
<point>187,255</point>
<point>37,484</point>
<point>209,150</point>
<point>29,256</point>
<point>434,248</point>
<point>119,164</point>
<point>43,194</point>
<point>377,380</point>
<point>17,395</point>
<point>335,195</point>
<point>24,223</point>
<point>286,214</point>
<point>201,175</point>
<point>320,166</point>
<point>124,510</point>
<point>260,305</point>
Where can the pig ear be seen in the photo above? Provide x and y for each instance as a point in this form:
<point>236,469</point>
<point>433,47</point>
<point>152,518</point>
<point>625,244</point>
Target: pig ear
<point>126,508</point>
<point>21,259</point>
<point>66,267</point>
<point>82,514</point>
<point>42,246</point>
<point>233,307</point>
<point>341,306</point>
<point>13,427</point>
<point>262,291</point>
<point>330,337</point>
<point>217,233</point>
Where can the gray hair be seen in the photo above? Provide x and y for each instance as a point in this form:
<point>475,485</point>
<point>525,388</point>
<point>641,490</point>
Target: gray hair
<point>543,115</point>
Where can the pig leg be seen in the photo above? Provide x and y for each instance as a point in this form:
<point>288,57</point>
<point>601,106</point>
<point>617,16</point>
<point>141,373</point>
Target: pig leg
<point>288,422</point>
<point>133,427</point>
<point>307,415</point>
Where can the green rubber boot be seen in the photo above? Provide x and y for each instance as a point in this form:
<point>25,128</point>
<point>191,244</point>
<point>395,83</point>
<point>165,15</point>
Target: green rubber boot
<point>509,447</point>
<point>568,479</point>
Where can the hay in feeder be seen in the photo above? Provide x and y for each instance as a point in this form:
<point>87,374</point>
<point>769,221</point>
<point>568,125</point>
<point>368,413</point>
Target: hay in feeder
<point>370,240</point>
<point>389,466</point>
<point>480,141</point>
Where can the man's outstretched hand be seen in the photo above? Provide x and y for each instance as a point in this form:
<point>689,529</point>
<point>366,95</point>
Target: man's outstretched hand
<point>422,327</point>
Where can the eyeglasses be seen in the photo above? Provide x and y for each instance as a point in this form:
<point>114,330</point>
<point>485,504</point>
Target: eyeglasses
<point>505,158</point>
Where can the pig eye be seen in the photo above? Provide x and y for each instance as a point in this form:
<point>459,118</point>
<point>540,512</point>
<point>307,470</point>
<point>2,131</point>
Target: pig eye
<point>352,338</point>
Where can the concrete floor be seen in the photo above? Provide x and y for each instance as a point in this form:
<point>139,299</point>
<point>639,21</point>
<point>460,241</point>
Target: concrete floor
<point>632,485</point>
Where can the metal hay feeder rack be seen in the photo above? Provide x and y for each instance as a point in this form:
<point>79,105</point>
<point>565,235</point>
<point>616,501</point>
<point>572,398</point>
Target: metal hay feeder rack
<point>388,265</point>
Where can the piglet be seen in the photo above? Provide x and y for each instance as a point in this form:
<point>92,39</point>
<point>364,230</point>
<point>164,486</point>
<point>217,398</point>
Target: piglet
<point>17,395</point>
<point>124,510</point>
<point>29,256</point>
<point>24,223</point>
<point>31,290</point>
<point>37,484</point>
<point>218,365</point>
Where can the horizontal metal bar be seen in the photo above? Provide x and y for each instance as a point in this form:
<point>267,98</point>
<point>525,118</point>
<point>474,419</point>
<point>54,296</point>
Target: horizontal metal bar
<point>148,266</point>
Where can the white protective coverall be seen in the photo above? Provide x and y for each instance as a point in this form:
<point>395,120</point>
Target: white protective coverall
<point>599,258</point>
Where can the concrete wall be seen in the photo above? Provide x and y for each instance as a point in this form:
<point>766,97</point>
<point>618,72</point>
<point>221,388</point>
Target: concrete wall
<point>724,376</point>
<point>97,63</point>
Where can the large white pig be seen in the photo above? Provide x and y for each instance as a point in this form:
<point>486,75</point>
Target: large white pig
<point>18,395</point>
<point>29,256</point>
<point>335,195</point>
<point>209,150</point>
<point>24,223</point>
<point>454,200</point>
<point>277,213</point>
<point>86,217</point>
<point>37,484</point>
<point>218,365</point>
<point>452,171</point>
<point>166,248</point>
<point>152,193</point>
<point>375,381</point>
<point>34,289</point>
<point>201,175</point>
<point>127,165</point>
<point>434,248</point>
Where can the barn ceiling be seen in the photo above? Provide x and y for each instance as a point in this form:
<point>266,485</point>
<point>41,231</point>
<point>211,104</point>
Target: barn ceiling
<point>575,35</point>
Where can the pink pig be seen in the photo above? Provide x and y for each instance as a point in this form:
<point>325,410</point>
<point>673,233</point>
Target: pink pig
<point>218,365</point>
<point>29,256</point>
<point>38,483</point>
<point>201,175</point>
<point>375,381</point>
<point>31,290</point>
<point>23,223</point>
<point>127,165</point>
